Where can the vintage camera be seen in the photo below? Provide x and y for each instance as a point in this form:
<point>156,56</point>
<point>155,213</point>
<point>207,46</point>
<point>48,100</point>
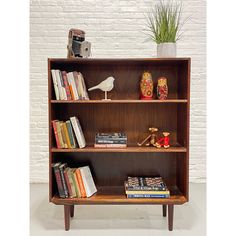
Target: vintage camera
<point>77,46</point>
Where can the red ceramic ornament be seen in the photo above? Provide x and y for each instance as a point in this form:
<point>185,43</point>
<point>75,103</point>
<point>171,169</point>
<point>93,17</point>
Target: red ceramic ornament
<point>146,86</point>
<point>162,88</point>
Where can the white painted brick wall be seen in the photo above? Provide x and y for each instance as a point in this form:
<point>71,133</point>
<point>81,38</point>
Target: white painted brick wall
<point>115,29</point>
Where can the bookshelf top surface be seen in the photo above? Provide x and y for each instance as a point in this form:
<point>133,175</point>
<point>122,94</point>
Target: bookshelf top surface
<point>119,60</point>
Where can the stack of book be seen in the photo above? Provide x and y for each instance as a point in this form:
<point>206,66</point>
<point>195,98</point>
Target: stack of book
<point>74,182</point>
<point>68,134</point>
<point>146,187</point>
<point>69,86</point>
<point>110,140</point>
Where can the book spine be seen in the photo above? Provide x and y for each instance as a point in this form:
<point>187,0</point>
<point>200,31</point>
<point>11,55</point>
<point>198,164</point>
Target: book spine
<point>70,176</point>
<point>63,135</point>
<point>110,145</point>
<point>59,84</point>
<point>68,183</point>
<point>54,79</point>
<point>145,188</point>
<point>58,126</point>
<point>63,181</point>
<point>66,135</point>
<point>105,141</point>
<point>81,184</point>
<point>78,131</point>
<point>63,86</point>
<point>65,80</point>
<point>78,85</point>
<point>71,135</point>
<point>78,194</point>
<point>148,192</point>
<point>59,181</point>
<point>56,133</point>
<point>71,82</point>
<point>148,196</point>
<point>85,93</point>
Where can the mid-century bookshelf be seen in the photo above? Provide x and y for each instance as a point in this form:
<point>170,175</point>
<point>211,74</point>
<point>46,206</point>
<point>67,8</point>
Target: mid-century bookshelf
<point>125,112</point>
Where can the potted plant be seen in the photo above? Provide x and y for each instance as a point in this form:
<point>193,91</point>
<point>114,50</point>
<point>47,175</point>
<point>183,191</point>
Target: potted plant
<point>163,22</point>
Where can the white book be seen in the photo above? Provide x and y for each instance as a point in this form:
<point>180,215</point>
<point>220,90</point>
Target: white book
<point>61,93</point>
<point>71,82</point>
<point>78,131</point>
<point>63,86</point>
<point>88,182</point>
<point>84,89</point>
<point>78,84</point>
<point>54,79</point>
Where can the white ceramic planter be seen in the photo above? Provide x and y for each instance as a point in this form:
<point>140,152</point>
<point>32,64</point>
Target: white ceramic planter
<point>166,50</point>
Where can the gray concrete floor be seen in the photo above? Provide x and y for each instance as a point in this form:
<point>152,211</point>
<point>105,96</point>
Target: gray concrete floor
<point>47,218</point>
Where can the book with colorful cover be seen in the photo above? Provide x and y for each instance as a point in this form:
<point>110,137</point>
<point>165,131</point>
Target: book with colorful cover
<point>75,181</point>
<point>65,131</point>
<point>78,131</point>
<point>85,93</point>
<point>68,184</point>
<point>56,133</point>
<point>71,134</point>
<point>63,135</point>
<point>146,183</point>
<point>155,192</point>
<point>55,167</point>
<point>80,182</point>
<point>110,145</point>
<point>88,181</point>
<point>65,80</point>
<point>72,184</point>
<point>148,196</point>
<point>58,127</point>
<point>62,167</point>
<point>54,79</point>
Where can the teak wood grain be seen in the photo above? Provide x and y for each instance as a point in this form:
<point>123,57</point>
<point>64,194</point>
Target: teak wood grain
<point>125,113</point>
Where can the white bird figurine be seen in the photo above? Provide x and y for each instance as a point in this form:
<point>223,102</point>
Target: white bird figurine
<point>106,86</point>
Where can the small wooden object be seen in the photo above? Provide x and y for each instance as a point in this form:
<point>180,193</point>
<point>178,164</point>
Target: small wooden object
<point>164,141</point>
<point>146,86</point>
<point>162,88</point>
<point>151,138</point>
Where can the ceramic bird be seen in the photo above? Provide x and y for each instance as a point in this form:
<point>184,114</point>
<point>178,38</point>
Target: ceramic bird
<point>106,86</point>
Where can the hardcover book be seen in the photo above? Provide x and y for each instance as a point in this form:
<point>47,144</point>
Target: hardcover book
<point>55,167</point>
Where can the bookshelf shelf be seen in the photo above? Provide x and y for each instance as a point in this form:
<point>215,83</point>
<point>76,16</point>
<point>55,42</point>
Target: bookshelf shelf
<point>120,101</point>
<point>110,167</point>
<point>116,195</point>
<point>128,149</point>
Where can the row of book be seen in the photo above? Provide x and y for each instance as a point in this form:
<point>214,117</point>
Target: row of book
<point>110,140</point>
<point>73,182</point>
<point>146,187</point>
<point>69,86</point>
<point>68,134</point>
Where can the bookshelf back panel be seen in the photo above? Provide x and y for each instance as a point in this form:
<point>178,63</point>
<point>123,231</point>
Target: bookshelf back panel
<point>127,74</point>
<point>133,119</point>
<point>112,169</point>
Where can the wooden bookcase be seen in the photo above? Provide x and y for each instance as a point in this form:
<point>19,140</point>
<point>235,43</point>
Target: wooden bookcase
<point>125,113</point>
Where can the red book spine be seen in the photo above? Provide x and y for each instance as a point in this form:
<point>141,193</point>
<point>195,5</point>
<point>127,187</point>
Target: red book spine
<point>55,132</point>
<point>68,183</point>
<point>64,76</point>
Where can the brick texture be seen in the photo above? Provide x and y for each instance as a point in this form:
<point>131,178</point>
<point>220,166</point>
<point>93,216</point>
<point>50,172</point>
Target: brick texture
<point>115,29</point>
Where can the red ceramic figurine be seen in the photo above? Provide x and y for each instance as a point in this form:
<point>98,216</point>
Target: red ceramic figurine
<point>146,86</point>
<point>162,88</point>
<point>164,141</point>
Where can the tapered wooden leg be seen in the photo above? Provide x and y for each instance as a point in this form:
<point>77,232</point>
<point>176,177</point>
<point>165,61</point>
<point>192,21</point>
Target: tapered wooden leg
<point>67,217</point>
<point>72,207</point>
<point>164,210</point>
<point>170,217</point>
